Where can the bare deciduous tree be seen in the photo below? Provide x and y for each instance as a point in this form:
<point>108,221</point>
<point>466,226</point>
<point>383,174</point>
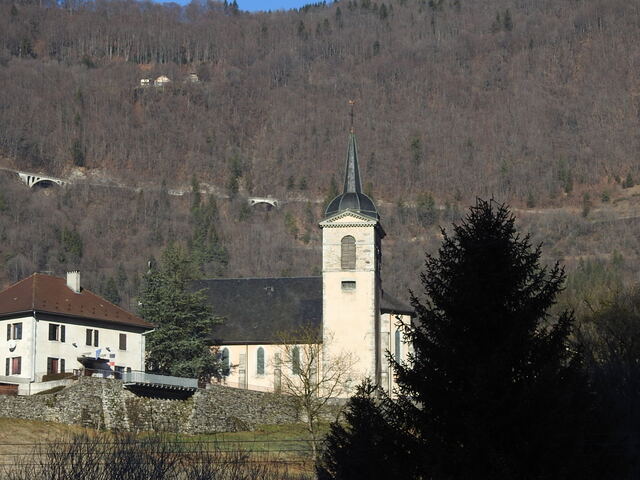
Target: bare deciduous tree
<point>316,381</point>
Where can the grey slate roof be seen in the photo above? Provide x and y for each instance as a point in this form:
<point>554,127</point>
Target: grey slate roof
<point>260,310</point>
<point>389,304</point>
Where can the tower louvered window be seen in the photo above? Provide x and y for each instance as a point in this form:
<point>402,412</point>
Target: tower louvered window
<point>348,250</point>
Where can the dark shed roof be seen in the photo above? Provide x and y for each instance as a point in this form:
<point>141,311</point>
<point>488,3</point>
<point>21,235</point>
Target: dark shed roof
<point>389,304</point>
<point>260,310</point>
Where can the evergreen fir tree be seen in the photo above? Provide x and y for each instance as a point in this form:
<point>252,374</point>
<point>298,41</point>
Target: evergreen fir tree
<point>111,291</point>
<point>508,21</point>
<point>366,445</point>
<point>183,320</point>
<point>495,387</point>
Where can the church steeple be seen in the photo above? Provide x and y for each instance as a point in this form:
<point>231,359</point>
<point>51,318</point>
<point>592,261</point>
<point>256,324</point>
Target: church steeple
<point>352,174</point>
<point>352,197</point>
<point>351,282</point>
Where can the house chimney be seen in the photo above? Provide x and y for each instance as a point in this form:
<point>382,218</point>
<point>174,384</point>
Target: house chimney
<point>73,281</point>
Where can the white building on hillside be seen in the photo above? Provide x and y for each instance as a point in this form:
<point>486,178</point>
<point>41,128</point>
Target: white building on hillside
<point>53,324</point>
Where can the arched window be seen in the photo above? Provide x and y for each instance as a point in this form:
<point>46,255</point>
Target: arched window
<point>397,342</point>
<point>348,250</point>
<point>295,361</point>
<point>224,359</point>
<point>260,361</point>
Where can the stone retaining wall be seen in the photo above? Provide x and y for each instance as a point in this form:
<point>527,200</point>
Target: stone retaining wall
<point>105,404</point>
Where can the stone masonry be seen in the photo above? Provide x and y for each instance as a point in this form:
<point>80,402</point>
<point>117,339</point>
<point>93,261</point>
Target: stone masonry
<point>105,404</point>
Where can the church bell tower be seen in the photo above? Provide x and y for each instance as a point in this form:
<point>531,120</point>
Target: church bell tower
<point>351,285</point>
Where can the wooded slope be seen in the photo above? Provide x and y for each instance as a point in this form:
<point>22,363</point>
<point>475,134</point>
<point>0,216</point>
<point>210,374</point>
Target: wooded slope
<point>535,102</point>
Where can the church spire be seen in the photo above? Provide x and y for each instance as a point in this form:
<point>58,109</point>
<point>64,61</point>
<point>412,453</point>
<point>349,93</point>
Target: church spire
<point>352,198</point>
<point>352,174</point>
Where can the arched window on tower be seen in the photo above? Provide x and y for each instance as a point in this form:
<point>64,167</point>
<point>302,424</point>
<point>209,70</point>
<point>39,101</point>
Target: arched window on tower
<point>224,359</point>
<point>260,361</point>
<point>398,345</point>
<point>295,361</point>
<point>348,251</point>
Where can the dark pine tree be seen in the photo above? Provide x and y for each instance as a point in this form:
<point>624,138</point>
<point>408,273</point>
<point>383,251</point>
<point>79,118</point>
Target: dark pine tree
<point>496,389</point>
<point>367,446</point>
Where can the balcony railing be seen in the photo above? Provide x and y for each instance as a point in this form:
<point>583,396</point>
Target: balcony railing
<point>159,380</point>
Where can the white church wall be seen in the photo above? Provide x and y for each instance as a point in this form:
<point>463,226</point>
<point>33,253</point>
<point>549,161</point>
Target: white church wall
<point>392,341</point>
<point>244,371</point>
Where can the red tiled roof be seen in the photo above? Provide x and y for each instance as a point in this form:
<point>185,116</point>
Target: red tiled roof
<point>44,293</point>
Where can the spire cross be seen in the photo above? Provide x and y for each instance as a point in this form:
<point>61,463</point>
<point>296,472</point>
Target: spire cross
<point>351,103</point>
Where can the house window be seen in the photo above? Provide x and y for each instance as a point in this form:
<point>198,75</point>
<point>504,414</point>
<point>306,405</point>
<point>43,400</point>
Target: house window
<point>14,331</point>
<point>7,370</point>
<point>348,253</point>
<point>16,365</point>
<point>397,345</point>
<point>92,337</point>
<point>56,332</point>
<point>348,285</point>
<point>62,369</point>
<point>122,344</point>
<point>260,361</point>
<point>224,359</point>
<point>295,361</point>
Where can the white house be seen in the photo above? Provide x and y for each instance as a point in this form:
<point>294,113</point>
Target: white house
<point>346,306</point>
<point>161,81</point>
<point>54,326</point>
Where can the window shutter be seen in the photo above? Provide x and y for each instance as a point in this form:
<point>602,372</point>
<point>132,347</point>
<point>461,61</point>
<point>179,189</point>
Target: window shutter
<point>95,338</point>
<point>7,371</point>
<point>62,333</point>
<point>123,341</point>
<point>62,365</point>
<point>8,331</point>
<point>50,366</point>
<point>89,335</point>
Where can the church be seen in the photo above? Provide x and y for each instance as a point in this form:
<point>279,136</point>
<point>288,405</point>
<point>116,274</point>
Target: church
<point>346,309</point>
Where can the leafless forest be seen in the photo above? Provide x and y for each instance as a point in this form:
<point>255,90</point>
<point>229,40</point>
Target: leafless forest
<point>533,102</point>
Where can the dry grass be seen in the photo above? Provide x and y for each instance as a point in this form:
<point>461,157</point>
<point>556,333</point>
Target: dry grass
<point>267,443</point>
<point>17,436</point>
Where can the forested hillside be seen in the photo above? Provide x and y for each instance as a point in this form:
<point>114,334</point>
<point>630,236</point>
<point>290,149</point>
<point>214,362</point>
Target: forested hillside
<point>534,102</point>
